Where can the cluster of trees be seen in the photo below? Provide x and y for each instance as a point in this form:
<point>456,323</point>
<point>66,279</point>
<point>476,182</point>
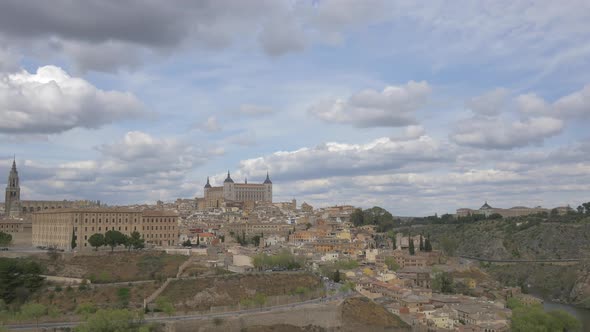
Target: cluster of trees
<point>374,216</point>
<point>584,209</point>
<point>443,282</point>
<point>534,318</point>
<point>243,241</point>
<point>114,238</point>
<point>392,265</point>
<point>5,239</point>
<point>425,244</point>
<point>449,245</point>
<point>19,278</point>
<point>283,260</point>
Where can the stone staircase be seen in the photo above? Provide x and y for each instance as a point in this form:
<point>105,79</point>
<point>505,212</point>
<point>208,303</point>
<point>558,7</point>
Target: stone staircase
<point>159,291</point>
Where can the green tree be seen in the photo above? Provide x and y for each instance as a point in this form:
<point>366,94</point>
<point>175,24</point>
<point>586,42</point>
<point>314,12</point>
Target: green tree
<point>5,239</point>
<point>187,243</point>
<point>137,242</point>
<point>449,245</point>
<point>336,277</point>
<point>74,238</point>
<point>96,240</point>
<point>256,240</point>
<point>165,306</point>
<point>421,247</point>
<point>19,277</point>
<point>123,294</point>
<point>379,217</point>
<point>391,264</point>
<point>33,311</point>
<point>357,217</point>
<point>443,282</point>
<point>127,242</point>
<point>85,309</point>
<point>114,238</point>
<point>534,318</point>
<point>427,245</point>
<point>411,246</point>
<point>391,235</point>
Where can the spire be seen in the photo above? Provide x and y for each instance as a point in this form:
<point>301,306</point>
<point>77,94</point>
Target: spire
<point>14,163</point>
<point>208,185</point>
<point>267,181</point>
<point>228,179</point>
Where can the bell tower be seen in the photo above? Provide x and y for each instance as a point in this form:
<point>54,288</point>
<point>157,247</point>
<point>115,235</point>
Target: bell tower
<point>12,191</point>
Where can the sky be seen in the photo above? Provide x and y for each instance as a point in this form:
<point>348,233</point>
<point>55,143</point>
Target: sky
<point>418,107</point>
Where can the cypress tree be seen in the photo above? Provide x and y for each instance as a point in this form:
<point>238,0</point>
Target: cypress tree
<point>73,244</point>
<point>412,250</point>
<point>427,245</point>
<point>421,243</point>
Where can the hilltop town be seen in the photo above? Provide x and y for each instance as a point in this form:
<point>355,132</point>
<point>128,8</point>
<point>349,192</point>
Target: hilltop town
<point>248,252</point>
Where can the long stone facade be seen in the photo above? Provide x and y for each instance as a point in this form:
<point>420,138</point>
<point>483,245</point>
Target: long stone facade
<point>56,228</point>
<point>15,207</point>
<point>516,211</point>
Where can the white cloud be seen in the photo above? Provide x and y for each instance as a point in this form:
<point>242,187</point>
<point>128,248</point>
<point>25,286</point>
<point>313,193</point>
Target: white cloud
<point>136,168</point>
<point>490,103</point>
<point>503,133</point>
<point>532,104</point>
<point>332,159</point>
<point>51,101</point>
<point>393,107</point>
<point>576,104</point>
<point>281,35</point>
<point>8,60</point>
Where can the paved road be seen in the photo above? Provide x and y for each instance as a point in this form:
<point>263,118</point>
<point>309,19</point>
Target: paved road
<point>563,260</point>
<point>18,327</point>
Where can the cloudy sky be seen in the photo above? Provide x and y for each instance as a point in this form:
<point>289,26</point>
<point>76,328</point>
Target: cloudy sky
<point>419,109</point>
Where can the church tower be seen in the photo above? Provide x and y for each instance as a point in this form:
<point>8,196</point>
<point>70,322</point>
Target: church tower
<point>12,197</point>
<point>229,192</point>
<point>268,189</point>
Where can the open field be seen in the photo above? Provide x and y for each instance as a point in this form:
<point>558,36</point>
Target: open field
<point>206,292</point>
<point>107,267</point>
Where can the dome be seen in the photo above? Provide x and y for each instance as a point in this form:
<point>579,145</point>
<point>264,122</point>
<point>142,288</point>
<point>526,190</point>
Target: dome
<point>228,179</point>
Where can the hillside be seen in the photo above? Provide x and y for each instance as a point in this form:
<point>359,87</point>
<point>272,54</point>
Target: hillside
<point>526,238</point>
<point>203,293</point>
<point>511,239</point>
<point>361,314</point>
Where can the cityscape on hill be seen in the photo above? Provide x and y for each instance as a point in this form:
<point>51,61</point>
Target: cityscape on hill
<point>294,166</point>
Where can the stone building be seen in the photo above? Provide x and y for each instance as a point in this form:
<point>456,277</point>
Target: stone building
<point>19,229</point>
<point>216,197</point>
<point>15,207</point>
<point>56,228</point>
<point>487,210</point>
